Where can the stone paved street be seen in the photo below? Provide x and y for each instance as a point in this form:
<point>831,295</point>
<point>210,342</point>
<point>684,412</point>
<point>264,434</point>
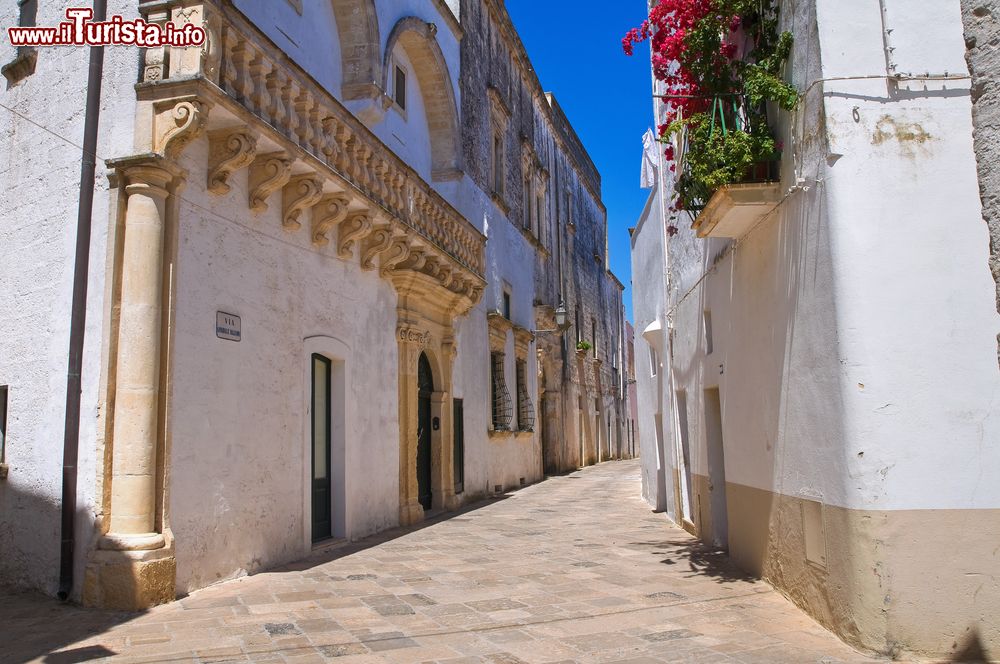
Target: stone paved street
<point>575,569</point>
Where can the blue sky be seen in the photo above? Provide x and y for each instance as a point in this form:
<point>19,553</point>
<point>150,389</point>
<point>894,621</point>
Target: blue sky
<point>576,50</point>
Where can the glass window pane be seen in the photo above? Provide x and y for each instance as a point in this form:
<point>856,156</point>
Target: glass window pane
<point>321,411</point>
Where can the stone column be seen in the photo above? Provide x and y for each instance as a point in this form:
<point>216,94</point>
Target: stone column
<point>444,475</point>
<point>411,342</point>
<point>134,567</point>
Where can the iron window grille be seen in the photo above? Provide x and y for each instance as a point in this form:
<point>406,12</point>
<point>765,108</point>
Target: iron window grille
<point>525,409</point>
<point>502,407</point>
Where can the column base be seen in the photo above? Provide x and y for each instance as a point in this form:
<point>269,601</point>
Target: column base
<point>130,580</point>
<point>410,514</point>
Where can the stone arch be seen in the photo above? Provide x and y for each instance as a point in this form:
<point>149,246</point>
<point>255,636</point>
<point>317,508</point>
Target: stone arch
<point>357,29</point>
<point>417,39</point>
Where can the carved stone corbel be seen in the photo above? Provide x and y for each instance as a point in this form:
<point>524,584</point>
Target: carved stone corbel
<point>380,240</point>
<point>268,173</point>
<point>228,152</point>
<point>354,228</point>
<point>300,193</point>
<point>415,261</point>
<point>445,275</point>
<point>327,213</point>
<point>395,254</point>
<point>177,122</point>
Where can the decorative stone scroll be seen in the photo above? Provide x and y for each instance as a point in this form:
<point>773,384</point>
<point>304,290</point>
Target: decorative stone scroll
<point>326,214</point>
<point>268,174</point>
<point>176,123</point>
<point>300,193</point>
<point>229,151</point>
<point>353,229</point>
<point>379,241</point>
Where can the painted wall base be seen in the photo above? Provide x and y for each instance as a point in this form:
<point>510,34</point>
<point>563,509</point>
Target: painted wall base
<point>130,580</point>
<point>890,582</point>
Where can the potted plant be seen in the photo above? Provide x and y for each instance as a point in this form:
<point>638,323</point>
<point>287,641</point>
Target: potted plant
<point>582,347</point>
<point>720,62</point>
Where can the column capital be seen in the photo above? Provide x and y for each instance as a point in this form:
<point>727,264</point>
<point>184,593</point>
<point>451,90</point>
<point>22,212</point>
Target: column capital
<point>153,173</point>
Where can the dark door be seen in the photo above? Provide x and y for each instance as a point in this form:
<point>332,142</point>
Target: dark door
<point>321,508</point>
<point>459,451</point>
<point>425,387</point>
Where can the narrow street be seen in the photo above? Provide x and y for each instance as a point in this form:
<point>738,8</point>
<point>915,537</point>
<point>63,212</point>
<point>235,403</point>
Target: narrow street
<point>575,569</point>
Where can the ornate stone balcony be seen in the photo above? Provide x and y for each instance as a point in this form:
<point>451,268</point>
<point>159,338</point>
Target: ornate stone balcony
<point>271,117</point>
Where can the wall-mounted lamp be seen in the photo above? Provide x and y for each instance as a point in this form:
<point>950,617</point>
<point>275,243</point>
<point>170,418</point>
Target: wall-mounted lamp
<point>562,320</point>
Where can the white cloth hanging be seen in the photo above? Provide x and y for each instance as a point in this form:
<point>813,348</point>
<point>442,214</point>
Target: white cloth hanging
<point>649,148</point>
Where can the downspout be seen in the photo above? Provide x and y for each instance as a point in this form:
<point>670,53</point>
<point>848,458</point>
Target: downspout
<point>78,316</point>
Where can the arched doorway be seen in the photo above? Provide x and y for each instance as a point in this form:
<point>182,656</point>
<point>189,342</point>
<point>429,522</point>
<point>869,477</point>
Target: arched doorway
<point>425,389</point>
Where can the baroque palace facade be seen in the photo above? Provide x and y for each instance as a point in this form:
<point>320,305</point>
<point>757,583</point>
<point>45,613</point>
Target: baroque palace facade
<point>328,254</point>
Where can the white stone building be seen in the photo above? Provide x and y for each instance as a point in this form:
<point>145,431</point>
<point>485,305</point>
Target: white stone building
<point>817,357</point>
<point>299,281</point>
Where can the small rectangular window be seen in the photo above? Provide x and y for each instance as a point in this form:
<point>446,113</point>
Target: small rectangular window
<point>525,409</point>
<point>502,409</point>
<point>654,363</point>
<point>3,424</point>
<point>399,88</point>
<point>506,305</point>
<point>593,335</point>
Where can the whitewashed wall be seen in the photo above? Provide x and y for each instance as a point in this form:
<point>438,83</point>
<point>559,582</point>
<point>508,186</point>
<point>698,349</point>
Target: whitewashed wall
<point>239,418</point>
<point>39,185</point>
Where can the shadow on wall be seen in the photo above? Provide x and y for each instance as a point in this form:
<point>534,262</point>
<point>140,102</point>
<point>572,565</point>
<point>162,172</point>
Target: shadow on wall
<point>971,649</point>
<point>33,625</point>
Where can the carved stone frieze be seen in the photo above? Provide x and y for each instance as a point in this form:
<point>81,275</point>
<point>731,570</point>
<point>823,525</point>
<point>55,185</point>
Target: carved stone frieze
<point>268,173</point>
<point>414,335</point>
<point>228,152</point>
<point>176,123</point>
<point>299,194</point>
<point>329,211</point>
<point>354,228</point>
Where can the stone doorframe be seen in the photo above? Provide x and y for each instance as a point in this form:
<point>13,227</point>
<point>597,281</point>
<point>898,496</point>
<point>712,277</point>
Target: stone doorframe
<point>426,315</point>
<point>550,392</point>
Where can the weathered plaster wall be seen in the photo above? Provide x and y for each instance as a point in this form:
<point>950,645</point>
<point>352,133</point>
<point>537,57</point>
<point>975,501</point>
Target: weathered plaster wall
<point>39,181</point>
<point>981,20</point>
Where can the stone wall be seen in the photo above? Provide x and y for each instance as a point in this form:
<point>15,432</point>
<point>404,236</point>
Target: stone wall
<point>570,250</point>
<point>981,19</point>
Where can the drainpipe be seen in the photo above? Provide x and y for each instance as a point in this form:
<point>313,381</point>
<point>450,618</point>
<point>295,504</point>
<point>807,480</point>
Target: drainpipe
<point>78,317</point>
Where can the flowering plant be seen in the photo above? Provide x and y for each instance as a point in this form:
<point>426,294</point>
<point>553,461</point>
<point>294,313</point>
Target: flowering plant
<point>719,61</point>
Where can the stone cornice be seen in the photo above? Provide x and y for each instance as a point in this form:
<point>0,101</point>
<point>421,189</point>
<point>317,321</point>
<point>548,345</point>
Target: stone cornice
<point>522,341</point>
<point>499,327</point>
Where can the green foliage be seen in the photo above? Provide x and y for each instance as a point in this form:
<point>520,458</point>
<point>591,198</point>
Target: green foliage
<point>583,345</point>
<point>727,139</point>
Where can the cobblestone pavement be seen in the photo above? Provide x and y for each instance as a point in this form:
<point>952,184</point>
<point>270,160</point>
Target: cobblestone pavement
<point>575,569</point>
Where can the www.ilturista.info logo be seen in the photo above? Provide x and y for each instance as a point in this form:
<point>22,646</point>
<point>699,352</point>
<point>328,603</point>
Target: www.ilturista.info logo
<point>79,30</point>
